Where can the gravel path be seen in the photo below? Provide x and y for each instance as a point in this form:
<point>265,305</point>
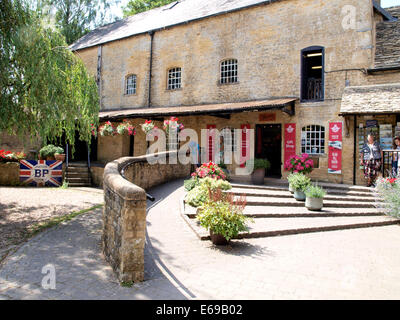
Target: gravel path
<point>22,208</point>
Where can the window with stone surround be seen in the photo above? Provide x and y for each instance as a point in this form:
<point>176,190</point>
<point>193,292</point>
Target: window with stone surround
<point>130,84</point>
<point>229,71</point>
<point>312,74</point>
<point>174,79</point>
<point>313,140</point>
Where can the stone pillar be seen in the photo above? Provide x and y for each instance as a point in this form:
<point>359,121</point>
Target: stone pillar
<point>124,225</point>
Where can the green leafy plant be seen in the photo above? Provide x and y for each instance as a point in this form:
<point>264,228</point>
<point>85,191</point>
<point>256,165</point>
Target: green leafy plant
<point>222,215</point>
<point>50,150</point>
<point>259,163</point>
<point>197,196</point>
<point>313,191</point>
<point>300,182</point>
<point>389,192</point>
<point>190,184</point>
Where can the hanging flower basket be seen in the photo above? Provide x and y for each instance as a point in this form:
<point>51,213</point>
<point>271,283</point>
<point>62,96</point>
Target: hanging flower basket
<point>126,128</point>
<point>107,129</point>
<point>172,125</point>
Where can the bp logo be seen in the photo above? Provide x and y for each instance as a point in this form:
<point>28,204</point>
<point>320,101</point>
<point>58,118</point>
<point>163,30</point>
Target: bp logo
<point>40,173</point>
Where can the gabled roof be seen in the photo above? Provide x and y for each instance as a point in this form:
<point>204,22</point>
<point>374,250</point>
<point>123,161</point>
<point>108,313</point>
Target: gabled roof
<point>387,53</point>
<point>173,14</point>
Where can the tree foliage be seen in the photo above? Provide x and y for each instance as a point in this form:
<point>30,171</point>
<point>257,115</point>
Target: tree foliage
<point>45,89</point>
<point>137,6</point>
<point>75,18</point>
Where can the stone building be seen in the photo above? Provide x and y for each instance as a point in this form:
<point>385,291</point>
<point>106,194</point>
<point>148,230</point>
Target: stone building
<point>251,64</point>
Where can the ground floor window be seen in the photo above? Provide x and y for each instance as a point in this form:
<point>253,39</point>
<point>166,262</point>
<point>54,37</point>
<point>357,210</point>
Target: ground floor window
<point>313,139</point>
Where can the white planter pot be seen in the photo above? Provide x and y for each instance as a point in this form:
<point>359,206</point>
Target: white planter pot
<point>314,204</point>
<point>299,195</point>
<point>291,189</point>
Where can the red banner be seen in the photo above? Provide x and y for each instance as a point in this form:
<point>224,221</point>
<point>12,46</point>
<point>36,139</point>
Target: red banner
<point>290,140</point>
<point>335,148</point>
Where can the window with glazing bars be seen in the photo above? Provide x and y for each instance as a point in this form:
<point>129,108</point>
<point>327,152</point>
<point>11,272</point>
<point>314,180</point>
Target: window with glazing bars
<point>229,71</point>
<point>313,139</point>
<point>174,78</point>
<point>130,86</point>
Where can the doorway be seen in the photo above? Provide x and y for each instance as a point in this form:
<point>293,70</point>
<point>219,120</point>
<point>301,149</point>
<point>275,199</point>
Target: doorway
<point>269,146</point>
<point>81,150</point>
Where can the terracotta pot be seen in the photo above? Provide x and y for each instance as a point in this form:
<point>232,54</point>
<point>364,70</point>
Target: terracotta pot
<point>50,158</point>
<point>257,177</point>
<point>60,157</point>
<point>217,239</point>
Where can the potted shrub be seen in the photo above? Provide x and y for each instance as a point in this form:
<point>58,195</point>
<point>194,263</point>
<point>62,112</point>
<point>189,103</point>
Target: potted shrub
<point>300,183</point>
<point>59,154</point>
<point>223,216</point>
<point>314,198</point>
<point>48,152</point>
<point>260,166</point>
<point>290,178</point>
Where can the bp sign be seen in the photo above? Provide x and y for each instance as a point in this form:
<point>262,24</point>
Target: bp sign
<point>41,173</point>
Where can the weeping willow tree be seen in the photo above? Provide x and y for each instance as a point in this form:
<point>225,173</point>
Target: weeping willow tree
<point>45,89</point>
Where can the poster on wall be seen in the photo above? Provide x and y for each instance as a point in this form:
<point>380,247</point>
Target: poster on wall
<point>290,140</point>
<point>386,136</point>
<point>40,173</point>
<point>335,148</point>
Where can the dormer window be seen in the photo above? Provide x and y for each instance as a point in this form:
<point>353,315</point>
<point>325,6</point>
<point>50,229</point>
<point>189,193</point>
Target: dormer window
<point>229,71</point>
<point>312,74</point>
<point>130,84</point>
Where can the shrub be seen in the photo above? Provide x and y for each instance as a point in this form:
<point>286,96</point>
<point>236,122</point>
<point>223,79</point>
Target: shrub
<point>299,164</point>
<point>222,215</point>
<point>199,194</point>
<point>50,150</point>
<point>190,184</point>
<point>389,192</point>
<point>300,182</point>
<point>314,191</point>
<point>259,163</point>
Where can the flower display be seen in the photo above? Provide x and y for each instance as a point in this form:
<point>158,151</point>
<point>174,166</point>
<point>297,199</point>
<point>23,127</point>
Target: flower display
<point>93,130</point>
<point>126,128</point>
<point>147,126</point>
<point>107,129</point>
<point>172,124</point>
<point>211,170</point>
<point>299,164</point>
<point>8,156</point>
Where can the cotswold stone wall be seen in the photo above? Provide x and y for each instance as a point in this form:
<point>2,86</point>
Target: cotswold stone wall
<point>9,173</point>
<point>124,214</point>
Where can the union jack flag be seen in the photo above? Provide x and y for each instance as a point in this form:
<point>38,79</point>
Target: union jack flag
<point>40,173</point>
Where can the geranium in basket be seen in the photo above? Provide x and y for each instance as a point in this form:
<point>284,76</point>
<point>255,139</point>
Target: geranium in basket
<point>211,170</point>
<point>147,126</point>
<point>126,128</point>
<point>172,125</point>
<point>299,164</point>
<point>107,129</point>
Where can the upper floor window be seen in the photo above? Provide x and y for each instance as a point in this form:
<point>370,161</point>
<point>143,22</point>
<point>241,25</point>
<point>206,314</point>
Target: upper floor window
<point>174,78</point>
<point>229,71</point>
<point>313,139</point>
<point>312,74</point>
<point>130,84</point>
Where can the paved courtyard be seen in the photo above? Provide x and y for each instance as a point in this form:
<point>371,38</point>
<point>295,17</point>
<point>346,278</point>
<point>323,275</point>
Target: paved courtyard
<point>351,264</point>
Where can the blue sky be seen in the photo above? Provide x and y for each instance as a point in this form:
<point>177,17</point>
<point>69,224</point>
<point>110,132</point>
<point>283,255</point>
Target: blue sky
<point>117,9</point>
<point>390,3</point>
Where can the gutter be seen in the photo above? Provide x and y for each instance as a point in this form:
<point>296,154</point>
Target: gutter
<point>374,70</point>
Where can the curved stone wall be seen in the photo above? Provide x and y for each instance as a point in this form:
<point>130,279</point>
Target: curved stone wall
<point>124,214</point>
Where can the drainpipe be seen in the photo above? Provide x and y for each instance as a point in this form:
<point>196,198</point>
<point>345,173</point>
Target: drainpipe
<point>355,150</point>
<point>151,33</point>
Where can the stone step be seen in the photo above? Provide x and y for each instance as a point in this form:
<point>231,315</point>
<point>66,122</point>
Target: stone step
<point>283,185</point>
<point>269,227</point>
<point>77,169</point>
<point>78,180</point>
<point>78,164</point>
<point>78,184</point>
<point>282,212</point>
<point>291,202</point>
<point>77,174</point>
<point>286,194</point>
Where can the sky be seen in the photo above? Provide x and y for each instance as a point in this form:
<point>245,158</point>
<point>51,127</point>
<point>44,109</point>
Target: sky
<point>117,9</point>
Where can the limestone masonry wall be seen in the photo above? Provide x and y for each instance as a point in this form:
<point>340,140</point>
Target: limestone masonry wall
<point>124,214</point>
